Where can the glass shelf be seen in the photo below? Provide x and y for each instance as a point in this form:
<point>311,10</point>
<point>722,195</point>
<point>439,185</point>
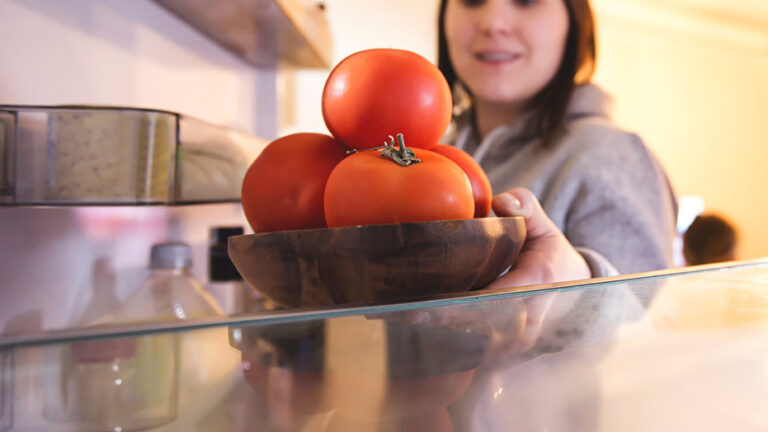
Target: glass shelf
<point>675,350</point>
<point>97,155</point>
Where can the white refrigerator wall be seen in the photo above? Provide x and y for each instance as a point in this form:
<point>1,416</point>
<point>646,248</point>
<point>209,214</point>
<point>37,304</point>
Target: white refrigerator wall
<point>691,77</point>
<point>355,25</point>
<point>57,262</point>
<point>133,53</point>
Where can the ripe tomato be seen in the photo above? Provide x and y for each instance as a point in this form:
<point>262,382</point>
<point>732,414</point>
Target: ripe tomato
<point>283,188</point>
<point>376,93</point>
<point>367,188</point>
<point>481,186</point>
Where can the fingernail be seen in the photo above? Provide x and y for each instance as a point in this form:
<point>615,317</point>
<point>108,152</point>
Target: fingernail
<point>509,201</point>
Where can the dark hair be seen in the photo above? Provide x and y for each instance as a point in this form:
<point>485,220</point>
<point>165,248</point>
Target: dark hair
<point>549,106</point>
<point>709,239</point>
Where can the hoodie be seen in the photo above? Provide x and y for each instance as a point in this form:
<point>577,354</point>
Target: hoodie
<point>599,184</point>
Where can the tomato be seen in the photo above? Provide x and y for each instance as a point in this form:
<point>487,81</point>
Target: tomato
<point>481,186</point>
<point>283,188</point>
<point>376,93</point>
<point>367,188</point>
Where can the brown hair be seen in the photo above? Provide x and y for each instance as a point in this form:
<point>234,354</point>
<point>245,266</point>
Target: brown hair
<point>549,106</point>
<point>711,238</point>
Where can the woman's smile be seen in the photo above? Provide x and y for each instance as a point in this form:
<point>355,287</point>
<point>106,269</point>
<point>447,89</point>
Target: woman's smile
<point>506,51</point>
<point>493,57</point>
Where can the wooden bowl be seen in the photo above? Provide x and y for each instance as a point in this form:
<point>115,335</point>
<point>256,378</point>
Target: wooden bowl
<point>377,262</point>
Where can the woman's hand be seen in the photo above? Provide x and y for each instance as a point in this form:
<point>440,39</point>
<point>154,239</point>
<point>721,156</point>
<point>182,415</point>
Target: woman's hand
<point>515,324</point>
<point>547,256</point>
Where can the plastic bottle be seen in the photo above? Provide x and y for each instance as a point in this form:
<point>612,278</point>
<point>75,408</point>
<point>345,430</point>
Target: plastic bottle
<point>170,292</point>
<point>132,383</point>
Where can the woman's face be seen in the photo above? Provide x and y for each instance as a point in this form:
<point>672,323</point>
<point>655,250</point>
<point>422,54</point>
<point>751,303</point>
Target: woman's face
<point>506,51</point>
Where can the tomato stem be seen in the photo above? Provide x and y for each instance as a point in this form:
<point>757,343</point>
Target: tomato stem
<point>401,154</point>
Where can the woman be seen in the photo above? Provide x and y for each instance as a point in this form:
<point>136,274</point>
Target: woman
<point>534,121</point>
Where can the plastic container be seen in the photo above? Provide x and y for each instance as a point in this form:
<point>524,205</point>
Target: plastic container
<point>80,155</point>
<point>170,292</point>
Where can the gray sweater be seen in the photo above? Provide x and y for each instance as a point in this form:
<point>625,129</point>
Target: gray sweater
<point>599,184</point>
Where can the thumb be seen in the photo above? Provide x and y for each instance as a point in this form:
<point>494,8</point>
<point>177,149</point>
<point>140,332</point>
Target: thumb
<point>522,202</point>
<point>547,255</point>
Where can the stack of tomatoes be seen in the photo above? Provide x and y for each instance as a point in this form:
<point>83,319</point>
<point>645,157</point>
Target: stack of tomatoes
<point>386,110</point>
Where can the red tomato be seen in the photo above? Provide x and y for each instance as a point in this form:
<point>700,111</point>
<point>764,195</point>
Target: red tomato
<point>367,188</point>
<point>481,186</point>
<point>283,188</point>
<point>376,93</point>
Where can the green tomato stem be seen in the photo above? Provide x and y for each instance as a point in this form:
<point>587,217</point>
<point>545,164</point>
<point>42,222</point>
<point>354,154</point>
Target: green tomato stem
<point>401,154</point>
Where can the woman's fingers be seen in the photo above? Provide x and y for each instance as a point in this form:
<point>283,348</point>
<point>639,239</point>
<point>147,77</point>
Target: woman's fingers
<point>547,256</point>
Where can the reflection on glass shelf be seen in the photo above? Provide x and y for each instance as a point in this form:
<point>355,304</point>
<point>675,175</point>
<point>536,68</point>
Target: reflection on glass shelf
<point>113,384</point>
<point>590,357</point>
